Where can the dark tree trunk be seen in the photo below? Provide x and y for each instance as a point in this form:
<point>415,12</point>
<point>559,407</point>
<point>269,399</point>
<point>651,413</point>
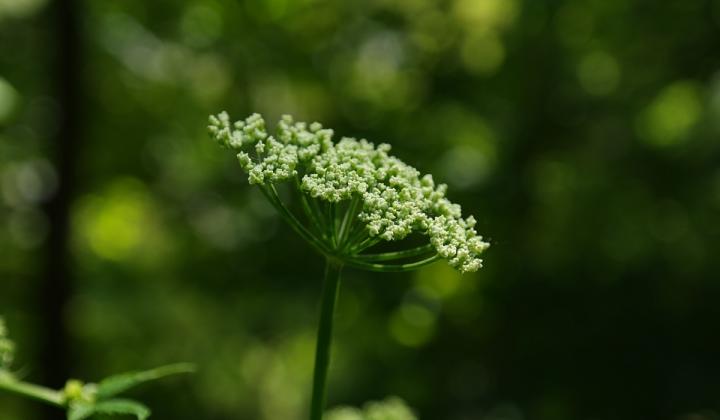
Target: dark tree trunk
<point>56,283</point>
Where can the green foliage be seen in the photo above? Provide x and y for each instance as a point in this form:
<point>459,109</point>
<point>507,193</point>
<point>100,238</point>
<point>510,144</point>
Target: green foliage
<point>84,400</point>
<point>392,408</point>
<point>354,194</point>
<point>81,411</point>
<point>114,385</point>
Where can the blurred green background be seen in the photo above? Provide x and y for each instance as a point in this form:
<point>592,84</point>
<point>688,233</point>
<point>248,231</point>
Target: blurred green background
<point>584,135</point>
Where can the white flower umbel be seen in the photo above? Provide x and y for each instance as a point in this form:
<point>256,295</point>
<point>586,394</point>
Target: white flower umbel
<point>354,195</point>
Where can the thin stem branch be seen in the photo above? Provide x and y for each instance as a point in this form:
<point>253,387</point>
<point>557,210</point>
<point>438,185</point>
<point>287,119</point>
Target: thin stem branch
<point>358,234</point>
<point>310,211</point>
<point>320,215</point>
<point>324,337</point>
<point>387,256</point>
<point>334,224</point>
<point>348,219</point>
<point>351,262</point>
<point>326,209</point>
<point>365,244</point>
<point>36,392</point>
<point>271,195</point>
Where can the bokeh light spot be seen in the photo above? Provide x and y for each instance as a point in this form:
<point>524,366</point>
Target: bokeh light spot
<point>412,325</point>
<point>275,94</point>
<point>491,14</point>
<point>28,228</point>
<point>471,154</point>
<point>380,74</point>
<point>202,23</point>
<point>482,53</point>
<point>209,78</point>
<point>119,224</point>
<point>574,24</point>
<point>599,73</point>
<point>438,281</point>
<point>268,10</point>
<point>668,119</point>
<point>465,166</point>
<point>20,8</point>
<point>8,100</point>
<point>714,102</point>
<point>27,183</point>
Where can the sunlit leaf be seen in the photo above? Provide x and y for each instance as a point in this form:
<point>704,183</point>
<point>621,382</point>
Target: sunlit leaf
<point>123,407</point>
<point>80,411</point>
<point>116,384</point>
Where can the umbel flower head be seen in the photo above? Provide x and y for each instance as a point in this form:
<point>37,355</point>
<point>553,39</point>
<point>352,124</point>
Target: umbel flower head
<point>353,194</point>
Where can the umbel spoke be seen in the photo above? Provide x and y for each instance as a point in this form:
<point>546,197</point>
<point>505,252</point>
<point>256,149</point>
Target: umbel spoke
<point>396,255</point>
<point>387,268</point>
<point>329,246</point>
<point>271,194</point>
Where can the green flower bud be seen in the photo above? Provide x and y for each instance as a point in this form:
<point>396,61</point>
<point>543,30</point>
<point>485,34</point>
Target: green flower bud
<point>77,391</point>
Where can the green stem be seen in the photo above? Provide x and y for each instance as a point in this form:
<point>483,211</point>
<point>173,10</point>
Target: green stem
<point>33,391</point>
<point>348,219</point>
<point>333,224</point>
<point>324,337</point>
<point>385,268</point>
<point>386,256</point>
<point>365,244</point>
<point>290,218</point>
<point>310,212</point>
<point>358,234</point>
<point>319,215</point>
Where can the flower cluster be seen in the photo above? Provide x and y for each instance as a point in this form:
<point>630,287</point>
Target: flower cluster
<point>395,199</point>
<point>264,157</point>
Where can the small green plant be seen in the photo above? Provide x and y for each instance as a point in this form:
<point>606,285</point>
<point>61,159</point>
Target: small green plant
<point>392,408</point>
<point>352,196</point>
<point>83,400</point>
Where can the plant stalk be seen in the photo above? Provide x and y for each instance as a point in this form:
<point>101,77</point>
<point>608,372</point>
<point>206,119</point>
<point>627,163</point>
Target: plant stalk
<point>29,390</point>
<point>331,287</point>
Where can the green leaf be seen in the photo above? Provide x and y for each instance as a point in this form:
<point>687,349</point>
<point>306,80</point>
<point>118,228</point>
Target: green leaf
<point>116,384</point>
<point>123,407</point>
<point>80,411</point>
